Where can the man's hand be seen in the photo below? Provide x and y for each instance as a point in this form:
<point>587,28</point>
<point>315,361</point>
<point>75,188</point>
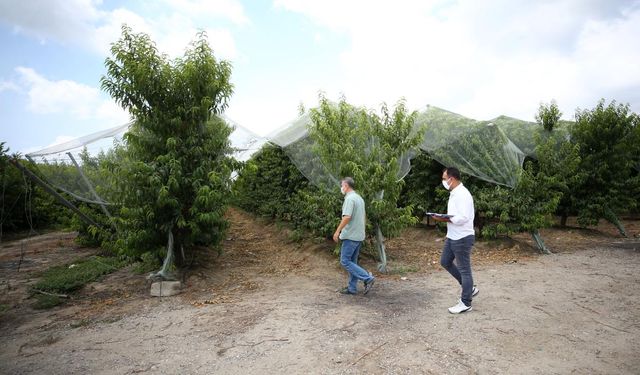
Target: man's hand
<point>343,223</point>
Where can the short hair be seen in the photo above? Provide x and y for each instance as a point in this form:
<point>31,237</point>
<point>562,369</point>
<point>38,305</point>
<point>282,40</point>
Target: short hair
<point>350,182</point>
<point>453,172</point>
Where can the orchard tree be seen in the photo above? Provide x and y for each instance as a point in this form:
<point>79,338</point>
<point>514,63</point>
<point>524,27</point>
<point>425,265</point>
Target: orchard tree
<point>173,171</point>
<point>421,187</point>
<point>548,115</point>
<point>531,205</point>
<point>23,204</point>
<point>541,186</point>
<point>558,158</point>
<point>268,182</point>
<point>270,185</point>
<point>636,162</point>
<point>609,147</point>
<point>354,142</point>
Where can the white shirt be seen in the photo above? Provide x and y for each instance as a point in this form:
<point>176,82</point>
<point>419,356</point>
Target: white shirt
<point>461,207</point>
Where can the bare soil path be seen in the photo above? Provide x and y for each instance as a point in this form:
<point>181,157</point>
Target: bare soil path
<point>270,306</point>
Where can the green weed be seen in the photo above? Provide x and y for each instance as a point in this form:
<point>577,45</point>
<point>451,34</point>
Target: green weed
<point>71,277</point>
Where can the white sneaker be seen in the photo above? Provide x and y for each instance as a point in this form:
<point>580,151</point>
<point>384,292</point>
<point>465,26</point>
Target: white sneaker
<point>459,308</point>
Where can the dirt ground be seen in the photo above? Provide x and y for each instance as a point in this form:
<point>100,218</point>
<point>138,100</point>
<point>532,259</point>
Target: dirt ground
<point>268,305</point>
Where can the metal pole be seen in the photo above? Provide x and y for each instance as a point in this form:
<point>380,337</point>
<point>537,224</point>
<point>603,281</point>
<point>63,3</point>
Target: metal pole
<point>86,181</point>
<point>54,193</point>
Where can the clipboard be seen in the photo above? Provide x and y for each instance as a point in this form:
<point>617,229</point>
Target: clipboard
<point>443,216</point>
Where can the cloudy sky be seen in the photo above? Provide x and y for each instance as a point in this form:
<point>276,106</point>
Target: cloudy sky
<point>478,58</point>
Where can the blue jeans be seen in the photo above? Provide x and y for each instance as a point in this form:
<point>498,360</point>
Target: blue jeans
<point>460,250</point>
<point>349,260</point>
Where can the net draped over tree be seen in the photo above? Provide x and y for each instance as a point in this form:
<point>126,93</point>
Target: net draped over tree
<point>325,144</point>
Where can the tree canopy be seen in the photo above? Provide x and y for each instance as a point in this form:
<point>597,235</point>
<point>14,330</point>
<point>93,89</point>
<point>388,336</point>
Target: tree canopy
<point>172,173</point>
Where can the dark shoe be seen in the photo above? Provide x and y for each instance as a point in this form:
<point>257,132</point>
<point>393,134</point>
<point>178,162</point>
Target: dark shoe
<point>369,284</point>
<point>346,290</point>
<point>475,291</point>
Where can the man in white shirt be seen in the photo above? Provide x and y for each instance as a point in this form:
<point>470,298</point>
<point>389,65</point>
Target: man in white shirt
<point>460,237</point>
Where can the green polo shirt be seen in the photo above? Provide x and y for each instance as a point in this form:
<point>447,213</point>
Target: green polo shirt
<point>353,206</point>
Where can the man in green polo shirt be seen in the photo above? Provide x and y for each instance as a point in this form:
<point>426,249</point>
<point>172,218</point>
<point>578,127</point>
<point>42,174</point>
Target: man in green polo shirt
<point>351,231</point>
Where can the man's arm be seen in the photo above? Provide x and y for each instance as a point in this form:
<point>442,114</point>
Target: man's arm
<point>343,223</point>
<point>443,219</point>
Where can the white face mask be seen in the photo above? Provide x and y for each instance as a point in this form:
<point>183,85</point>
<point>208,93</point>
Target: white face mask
<point>446,184</point>
<point>343,190</point>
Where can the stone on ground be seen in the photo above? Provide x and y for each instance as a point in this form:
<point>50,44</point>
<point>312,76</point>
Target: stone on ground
<point>165,288</point>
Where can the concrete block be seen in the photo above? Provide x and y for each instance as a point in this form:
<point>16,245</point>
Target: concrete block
<point>165,288</point>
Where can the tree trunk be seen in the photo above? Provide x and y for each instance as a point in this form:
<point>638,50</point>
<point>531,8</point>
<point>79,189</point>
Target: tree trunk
<point>563,220</point>
<point>479,223</point>
<point>539,242</point>
<point>164,273</point>
<point>611,217</point>
<point>382,266</point>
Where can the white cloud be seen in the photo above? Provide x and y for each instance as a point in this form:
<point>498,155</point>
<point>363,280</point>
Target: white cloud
<point>109,30</point>
<point>8,86</point>
<point>481,59</point>
<point>86,23</point>
<point>609,55</point>
<point>486,58</point>
<point>172,33</point>
<point>68,97</point>
<point>228,9</point>
<point>67,21</point>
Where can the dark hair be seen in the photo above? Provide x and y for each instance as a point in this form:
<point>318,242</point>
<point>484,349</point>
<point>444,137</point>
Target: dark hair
<point>453,172</point>
<point>350,182</point>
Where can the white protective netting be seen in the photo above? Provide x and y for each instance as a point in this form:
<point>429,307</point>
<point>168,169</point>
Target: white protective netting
<point>484,149</point>
<point>492,150</point>
<point>295,140</point>
<point>72,167</point>
<point>244,141</point>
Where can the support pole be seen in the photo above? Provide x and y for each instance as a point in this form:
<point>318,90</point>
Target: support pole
<point>611,217</point>
<point>54,193</point>
<point>539,242</point>
<point>86,181</point>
